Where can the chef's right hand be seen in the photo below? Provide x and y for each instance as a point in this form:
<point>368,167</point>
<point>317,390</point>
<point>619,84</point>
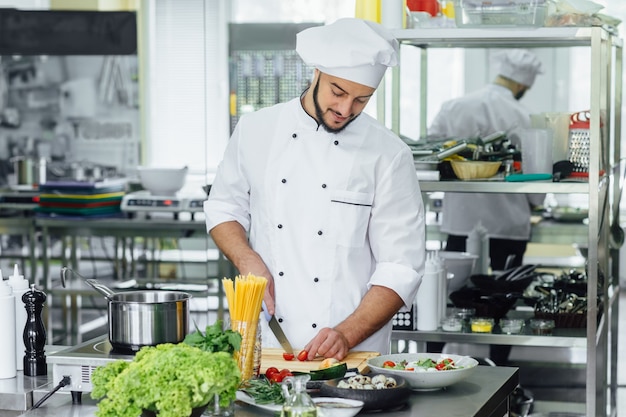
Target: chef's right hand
<point>260,270</point>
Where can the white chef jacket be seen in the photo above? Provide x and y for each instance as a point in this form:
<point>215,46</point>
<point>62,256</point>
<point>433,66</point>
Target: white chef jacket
<point>490,109</point>
<point>330,214</point>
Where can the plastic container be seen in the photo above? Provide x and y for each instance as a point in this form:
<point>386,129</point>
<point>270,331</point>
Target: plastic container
<point>481,324</point>
<point>452,324</point>
<point>19,285</point>
<point>500,13</point>
<point>511,326</point>
<point>7,330</point>
<point>542,327</point>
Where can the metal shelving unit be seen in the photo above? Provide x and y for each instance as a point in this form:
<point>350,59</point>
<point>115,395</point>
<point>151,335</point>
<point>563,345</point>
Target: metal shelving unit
<point>600,336</point>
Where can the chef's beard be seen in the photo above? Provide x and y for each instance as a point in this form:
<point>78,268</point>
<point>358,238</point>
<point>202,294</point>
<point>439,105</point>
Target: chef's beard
<point>520,94</point>
<point>320,115</point>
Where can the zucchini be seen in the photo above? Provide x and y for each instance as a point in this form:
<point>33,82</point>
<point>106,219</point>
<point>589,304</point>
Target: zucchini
<point>333,372</point>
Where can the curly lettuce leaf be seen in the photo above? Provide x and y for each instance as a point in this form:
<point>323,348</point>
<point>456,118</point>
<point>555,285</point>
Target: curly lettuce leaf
<point>169,378</point>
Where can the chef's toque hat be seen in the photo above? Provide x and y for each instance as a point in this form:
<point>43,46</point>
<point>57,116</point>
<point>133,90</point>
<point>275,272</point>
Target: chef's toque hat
<point>519,65</point>
<point>353,49</point>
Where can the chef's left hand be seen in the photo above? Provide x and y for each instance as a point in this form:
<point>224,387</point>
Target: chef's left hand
<point>329,343</point>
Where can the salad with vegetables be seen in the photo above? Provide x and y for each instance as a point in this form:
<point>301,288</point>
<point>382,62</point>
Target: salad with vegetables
<point>423,365</point>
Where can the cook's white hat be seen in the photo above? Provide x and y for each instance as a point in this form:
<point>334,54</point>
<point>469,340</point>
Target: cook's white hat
<point>353,49</point>
<point>519,65</point>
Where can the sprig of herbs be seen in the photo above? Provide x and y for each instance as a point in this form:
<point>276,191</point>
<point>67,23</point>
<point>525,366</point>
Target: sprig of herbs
<point>215,339</point>
<point>263,391</point>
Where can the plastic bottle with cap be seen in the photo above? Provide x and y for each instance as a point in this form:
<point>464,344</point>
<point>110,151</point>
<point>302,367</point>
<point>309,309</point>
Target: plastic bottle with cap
<point>427,300</point>
<point>7,329</point>
<point>19,284</point>
<point>478,244</point>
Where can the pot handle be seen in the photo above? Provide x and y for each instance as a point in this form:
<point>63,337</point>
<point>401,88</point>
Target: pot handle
<point>101,288</point>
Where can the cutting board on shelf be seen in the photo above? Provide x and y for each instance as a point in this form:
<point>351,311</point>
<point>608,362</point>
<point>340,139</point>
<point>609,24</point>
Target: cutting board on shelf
<point>274,357</point>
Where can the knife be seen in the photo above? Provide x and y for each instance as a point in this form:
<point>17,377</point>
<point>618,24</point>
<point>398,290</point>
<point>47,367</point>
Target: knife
<point>277,330</point>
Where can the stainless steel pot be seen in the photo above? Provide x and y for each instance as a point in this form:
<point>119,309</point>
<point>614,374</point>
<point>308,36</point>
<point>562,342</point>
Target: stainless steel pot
<point>143,318</point>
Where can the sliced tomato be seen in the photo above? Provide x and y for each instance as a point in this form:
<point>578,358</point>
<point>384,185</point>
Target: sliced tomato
<point>288,356</point>
<point>303,356</point>
<point>389,364</point>
<point>271,371</point>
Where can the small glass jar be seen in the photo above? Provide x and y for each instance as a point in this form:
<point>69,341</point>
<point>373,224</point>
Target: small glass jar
<point>481,324</point>
<point>542,327</point>
<point>511,326</point>
<point>452,324</point>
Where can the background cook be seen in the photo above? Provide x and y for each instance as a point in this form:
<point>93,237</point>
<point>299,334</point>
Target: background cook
<point>329,198</point>
<point>493,108</point>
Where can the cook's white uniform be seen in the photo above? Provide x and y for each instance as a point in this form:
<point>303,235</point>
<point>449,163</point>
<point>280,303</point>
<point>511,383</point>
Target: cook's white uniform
<point>505,216</point>
<point>330,214</point>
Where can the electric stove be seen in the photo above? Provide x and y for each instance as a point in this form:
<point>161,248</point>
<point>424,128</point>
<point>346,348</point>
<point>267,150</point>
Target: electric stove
<point>80,361</point>
<point>144,201</point>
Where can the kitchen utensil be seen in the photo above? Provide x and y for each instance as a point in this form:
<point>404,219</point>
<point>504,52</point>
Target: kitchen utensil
<point>616,237</point>
<point>142,318</point>
<point>277,330</point>
<point>528,177</point>
<point>561,170</point>
<point>536,151</point>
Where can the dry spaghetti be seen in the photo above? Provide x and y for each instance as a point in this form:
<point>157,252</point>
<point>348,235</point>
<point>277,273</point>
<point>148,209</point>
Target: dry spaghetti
<point>244,297</point>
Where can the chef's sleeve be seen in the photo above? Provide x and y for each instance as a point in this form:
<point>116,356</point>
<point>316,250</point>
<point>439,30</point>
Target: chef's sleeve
<point>229,199</point>
<point>397,229</point>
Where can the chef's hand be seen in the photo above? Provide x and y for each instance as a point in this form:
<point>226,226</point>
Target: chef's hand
<point>329,343</point>
<point>268,297</point>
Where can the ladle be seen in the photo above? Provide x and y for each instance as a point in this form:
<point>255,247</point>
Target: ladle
<point>94,283</point>
<point>616,237</point>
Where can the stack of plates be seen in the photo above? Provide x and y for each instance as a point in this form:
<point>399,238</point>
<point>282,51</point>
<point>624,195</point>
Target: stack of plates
<point>81,199</point>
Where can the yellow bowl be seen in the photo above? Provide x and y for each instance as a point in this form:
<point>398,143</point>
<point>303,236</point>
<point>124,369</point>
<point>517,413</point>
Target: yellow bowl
<point>468,170</point>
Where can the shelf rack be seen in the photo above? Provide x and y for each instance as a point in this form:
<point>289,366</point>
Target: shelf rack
<point>600,336</point>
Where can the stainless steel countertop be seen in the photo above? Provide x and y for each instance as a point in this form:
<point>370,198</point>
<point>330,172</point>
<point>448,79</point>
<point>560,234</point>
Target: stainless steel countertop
<point>483,394</point>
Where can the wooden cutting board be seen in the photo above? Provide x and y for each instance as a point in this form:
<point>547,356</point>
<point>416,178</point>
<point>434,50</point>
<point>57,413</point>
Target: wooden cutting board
<point>274,357</point>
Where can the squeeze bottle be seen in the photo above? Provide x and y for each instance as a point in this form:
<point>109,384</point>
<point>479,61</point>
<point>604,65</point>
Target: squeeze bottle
<point>478,244</point>
<point>7,329</point>
<point>427,299</point>
<point>19,285</point>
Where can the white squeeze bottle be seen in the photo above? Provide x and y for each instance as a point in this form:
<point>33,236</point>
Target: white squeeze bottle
<point>19,285</point>
<point>7,329</point>
<point>427,301</point>
<point>478,244</point>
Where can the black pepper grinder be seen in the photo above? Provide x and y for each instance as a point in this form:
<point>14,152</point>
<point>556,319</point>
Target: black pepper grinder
<point>34,333</point>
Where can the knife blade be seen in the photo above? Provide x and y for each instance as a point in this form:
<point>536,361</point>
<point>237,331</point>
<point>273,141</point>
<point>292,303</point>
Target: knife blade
<point>277,330</point>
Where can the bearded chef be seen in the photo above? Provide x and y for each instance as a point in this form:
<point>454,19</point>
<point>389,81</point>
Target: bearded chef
<point>323,200</point>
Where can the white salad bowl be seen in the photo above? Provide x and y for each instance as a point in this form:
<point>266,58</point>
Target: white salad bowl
<point>426,379</point>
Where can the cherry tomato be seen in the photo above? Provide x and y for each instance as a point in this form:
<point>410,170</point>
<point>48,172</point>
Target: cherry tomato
<point>303,356</point>
<point>271,371</point>
<point>444,364</point>
<point>288,356</point>
<point>284,373</point>
<point>389,364</point>
<point>276,378</point>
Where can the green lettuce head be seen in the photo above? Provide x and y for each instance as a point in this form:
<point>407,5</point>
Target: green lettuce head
<point>170,379</point>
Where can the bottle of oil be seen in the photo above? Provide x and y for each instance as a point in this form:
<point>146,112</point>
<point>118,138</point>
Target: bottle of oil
<point>297,402</point>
